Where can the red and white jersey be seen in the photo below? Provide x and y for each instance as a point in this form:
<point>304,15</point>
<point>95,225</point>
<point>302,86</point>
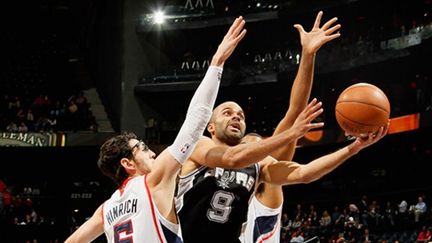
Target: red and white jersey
<point>263,223</point>
<point>131,216</point>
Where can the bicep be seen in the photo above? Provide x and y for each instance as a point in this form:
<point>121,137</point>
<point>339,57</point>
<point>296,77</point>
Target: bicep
<point>204,148</point>
<point>165,169</point>
<point>197,157</point>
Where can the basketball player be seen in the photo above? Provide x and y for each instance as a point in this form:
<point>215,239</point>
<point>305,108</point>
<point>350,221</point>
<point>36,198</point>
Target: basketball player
<point>265,207</point>
<point>220,176</point>
<point>142,209</point>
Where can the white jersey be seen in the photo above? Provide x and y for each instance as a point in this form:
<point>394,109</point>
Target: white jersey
<point>131,216</point>
<point>263,223</point>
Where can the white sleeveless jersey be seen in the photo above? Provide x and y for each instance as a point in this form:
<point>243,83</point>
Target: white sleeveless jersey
<point>263,224</point>
<point>131,216</point>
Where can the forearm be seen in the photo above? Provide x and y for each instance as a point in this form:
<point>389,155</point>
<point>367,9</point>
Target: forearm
<point>217,60</point>
<point>244,155</point>
<point>289,173</point>
<point>300,92</point>
<point>301,88</point>
<point>299,97</point>
<point>326,164</point>
<point>198,115</point>
<point>206,93</point>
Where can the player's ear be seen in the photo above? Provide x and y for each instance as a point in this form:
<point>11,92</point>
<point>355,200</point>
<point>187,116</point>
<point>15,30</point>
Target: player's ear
<point>211,127</point>
<point>127,163</point>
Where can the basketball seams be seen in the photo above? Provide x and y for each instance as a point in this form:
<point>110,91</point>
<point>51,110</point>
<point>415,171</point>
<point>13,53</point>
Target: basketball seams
<point>363,85</point>
<point>358,123</point>
<point>364,103</point>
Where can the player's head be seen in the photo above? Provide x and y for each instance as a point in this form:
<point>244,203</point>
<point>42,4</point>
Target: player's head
<point>123,156</point>
<point>251,137</point>
<point>227,123</point>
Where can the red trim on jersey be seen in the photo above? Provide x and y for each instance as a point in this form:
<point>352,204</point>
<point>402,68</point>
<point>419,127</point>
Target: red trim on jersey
<point>269,234</point>
<point>152,209</point>
<point>123,185</point>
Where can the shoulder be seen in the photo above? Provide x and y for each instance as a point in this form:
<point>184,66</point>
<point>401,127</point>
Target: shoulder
<point>204,140</point>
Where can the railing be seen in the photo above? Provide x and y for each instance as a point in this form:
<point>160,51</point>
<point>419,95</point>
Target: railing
<point>313,239</point>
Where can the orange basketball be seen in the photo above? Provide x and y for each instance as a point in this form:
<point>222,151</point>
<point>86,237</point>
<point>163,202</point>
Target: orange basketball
<point>362,108</point>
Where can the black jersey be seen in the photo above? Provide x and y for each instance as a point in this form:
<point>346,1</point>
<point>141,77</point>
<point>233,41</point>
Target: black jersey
<point>212,203</point>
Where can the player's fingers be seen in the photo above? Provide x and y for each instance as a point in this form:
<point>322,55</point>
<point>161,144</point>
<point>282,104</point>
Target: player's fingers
<point>386,129</point>
<point>312,103</point>
<point>315,107</point>
<point>318,19</point>
<point>329,23</point>
<point>299,28</point>
<point>332,29</point>
<point>238,28</point>
<point>332,37</point>
<point>312,107</point>
<point>383,130</point>
<point>314,115</point>
<point>234,25</point>
<point>240,36</point>
<point>315,125</point>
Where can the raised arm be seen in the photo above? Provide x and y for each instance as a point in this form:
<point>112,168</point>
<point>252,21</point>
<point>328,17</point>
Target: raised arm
<point>212,155</point>
<point>288,172</point>
<point>301,88</point>
<point>167,164</point>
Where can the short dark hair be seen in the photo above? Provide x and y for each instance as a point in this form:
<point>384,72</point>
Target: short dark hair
<point>110,154</point>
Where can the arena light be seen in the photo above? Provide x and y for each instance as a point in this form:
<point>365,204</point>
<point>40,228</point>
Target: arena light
<point>159,17</point>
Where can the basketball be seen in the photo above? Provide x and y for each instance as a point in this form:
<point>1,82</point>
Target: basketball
<point>362,108</point>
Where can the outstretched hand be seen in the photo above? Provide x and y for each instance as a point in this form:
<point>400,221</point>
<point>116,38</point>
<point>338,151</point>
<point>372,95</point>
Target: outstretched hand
<point>303,123</point>
<point>234,35</point>
<point>318,36</point>
<point>363,142</point>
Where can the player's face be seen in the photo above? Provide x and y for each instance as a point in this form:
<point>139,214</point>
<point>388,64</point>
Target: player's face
<point>230,123</point>
<point>142,156</point>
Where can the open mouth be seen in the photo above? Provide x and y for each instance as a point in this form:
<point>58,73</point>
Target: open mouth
<point>234,127</point>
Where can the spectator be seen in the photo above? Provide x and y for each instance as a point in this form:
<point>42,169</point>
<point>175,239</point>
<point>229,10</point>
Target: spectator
<point>14,104</point>
<point>389,216</point>
<point>363,210</point>
<point>286,222</point>
<point>367,237</point>
<point>424,235</point>
<point>335,214</point>
<point>419,209</point>
<point>374,214</point>
<point>403,207</point>
<point>297,223</point>
<point>22,127</point>
<point>402,215</point>
<point>12,127</point>
<point>29,116</point>
<point>325,223</point>
<point>297,236</point>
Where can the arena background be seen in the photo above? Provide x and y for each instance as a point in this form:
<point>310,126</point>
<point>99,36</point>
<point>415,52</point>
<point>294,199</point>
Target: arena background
<point>138,76</point>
